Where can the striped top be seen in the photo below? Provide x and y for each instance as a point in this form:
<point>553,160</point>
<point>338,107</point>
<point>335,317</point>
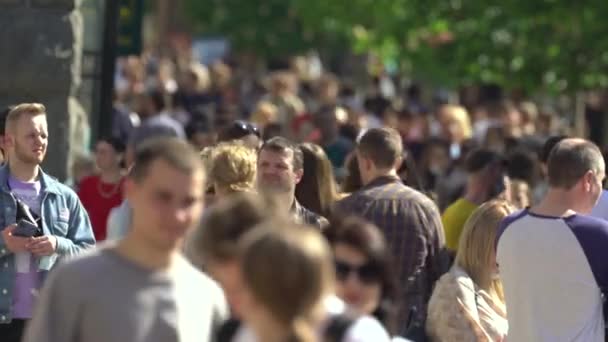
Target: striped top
<point>412,227</point>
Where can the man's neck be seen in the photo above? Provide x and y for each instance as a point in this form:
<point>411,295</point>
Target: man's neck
<point>23,172</point>
<point>475,193</point>
<point>148,257</point>
<point>380,173</point>
<point>283,201</point>
<point>558,203</point>
<point>111,176</point>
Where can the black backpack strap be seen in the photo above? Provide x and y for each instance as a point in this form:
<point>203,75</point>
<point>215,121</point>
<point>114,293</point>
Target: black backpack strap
<point>228,330</point>
<point>337,327</point>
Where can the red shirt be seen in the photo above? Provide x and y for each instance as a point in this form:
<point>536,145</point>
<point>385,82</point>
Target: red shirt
<point>98,199</point>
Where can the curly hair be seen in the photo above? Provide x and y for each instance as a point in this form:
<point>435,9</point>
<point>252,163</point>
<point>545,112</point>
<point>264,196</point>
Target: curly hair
<point>233,166</point>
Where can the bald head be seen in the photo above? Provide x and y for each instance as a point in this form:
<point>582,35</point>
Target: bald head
<point>571,159</point>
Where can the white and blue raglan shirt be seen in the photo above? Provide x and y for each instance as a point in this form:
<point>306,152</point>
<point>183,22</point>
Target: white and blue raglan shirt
<point>552,270</point>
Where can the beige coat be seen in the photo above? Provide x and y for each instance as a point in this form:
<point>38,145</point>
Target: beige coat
<point>460,311</point>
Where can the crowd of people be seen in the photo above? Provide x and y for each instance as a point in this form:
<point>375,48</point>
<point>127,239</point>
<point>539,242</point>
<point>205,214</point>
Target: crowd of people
<point>307,210</point>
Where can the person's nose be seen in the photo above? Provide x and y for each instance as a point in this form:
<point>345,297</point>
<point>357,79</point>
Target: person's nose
<point>39,141</point>
<point>180,216</point>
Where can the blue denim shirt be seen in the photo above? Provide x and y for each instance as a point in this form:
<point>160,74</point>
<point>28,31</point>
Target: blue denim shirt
<point>62,216</point>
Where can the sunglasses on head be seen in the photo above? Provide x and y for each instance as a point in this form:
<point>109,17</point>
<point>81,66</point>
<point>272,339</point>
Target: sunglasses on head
<point>367,273</point>
<point>247,128</point>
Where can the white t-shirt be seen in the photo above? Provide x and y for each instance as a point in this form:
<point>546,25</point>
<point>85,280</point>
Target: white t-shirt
<point>552,269</point>
<point>364,329</point>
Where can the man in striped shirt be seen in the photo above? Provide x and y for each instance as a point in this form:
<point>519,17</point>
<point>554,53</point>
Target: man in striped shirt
<point>409,220</point>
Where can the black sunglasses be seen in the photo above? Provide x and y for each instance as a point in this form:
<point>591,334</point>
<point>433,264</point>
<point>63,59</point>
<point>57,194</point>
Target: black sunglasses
<point>367,273</point>
<point>247,128</point>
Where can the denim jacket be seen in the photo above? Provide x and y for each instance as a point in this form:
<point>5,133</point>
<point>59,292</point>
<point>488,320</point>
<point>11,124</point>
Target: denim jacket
<point>62,216</point>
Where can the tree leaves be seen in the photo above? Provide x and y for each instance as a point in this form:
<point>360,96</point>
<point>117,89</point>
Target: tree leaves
<point>549,44</point>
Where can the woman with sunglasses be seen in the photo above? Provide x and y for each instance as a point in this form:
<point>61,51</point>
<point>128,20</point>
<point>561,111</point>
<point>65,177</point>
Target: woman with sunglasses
<point>468,303</point>
<point>364,278</point>
<point>293,299</point>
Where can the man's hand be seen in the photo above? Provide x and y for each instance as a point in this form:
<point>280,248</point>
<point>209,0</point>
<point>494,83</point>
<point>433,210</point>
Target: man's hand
<point>42,246</point>
<point>15,244</point>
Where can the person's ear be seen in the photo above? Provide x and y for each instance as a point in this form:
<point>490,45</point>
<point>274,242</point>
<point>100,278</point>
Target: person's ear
<point>8,140</point>
<point>298,175</point>
<point>369,164</point>
<point>398,163</point>
<point>588,180</point>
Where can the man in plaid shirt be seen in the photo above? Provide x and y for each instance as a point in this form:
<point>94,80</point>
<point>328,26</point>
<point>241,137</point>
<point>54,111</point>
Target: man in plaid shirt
<point>409,219</point>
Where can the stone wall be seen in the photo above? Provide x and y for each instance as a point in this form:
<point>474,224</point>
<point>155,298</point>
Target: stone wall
<point>41,48</point>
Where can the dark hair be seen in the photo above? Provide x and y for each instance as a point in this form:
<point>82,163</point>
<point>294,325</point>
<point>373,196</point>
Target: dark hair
<point>499,108</point>
<point>218,236</point>
<point>316,190</point>
<point>569,160</point>
<point>272,130</point>
<point>199,124</point>
<point>366,238</point>
<point>382,145</point>
<point>549,145</point>
<point>281,144</point>
<point>431,144</point>
<point>412,178</point>
<point>352,182</point>
<point>176,152</point>
<point>237,130</point>
<point>481,158</point>
<point>117,144</point>
<point>158,99</point>
<point>523,165</point>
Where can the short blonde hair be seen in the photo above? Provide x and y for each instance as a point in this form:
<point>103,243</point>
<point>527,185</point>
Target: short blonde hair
<point>477,245</point>
<point>20,110</point>
<point>233,166</point>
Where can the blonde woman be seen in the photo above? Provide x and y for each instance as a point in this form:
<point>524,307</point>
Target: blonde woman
<point>468,303</point>
<point>455,125</point>
<point>289,284</point>
<point>232,168</point>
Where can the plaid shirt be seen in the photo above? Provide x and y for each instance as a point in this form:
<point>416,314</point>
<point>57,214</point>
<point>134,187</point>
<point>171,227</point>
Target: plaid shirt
<point>308,217</point>
<point>412,226</point>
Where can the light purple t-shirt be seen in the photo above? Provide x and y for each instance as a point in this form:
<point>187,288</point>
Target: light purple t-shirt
<point>27,277</point>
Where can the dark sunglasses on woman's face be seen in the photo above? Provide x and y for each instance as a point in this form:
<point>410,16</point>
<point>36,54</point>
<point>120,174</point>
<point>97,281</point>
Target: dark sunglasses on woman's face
<point>247,127</point>
<point>367,273</point>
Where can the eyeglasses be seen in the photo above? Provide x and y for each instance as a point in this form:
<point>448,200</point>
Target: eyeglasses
<point>367,273</point>
<point>247,128</point>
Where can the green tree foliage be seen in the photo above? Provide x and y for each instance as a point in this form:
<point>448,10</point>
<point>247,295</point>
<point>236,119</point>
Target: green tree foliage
<point>555,45</point>
<point>268,28</point>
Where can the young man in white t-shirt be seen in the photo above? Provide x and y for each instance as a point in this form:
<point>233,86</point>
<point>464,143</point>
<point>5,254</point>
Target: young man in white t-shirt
<point>552,257</point>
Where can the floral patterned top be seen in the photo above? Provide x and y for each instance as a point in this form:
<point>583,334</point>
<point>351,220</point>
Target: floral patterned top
<point>460,311</point>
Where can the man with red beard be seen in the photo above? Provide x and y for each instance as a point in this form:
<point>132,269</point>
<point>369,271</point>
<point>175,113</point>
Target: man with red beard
<point>59,225</point>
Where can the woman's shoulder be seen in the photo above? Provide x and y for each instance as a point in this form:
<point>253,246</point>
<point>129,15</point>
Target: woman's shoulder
<point>366,328</point>
<point>451,290</point>
<point>456,280</point>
